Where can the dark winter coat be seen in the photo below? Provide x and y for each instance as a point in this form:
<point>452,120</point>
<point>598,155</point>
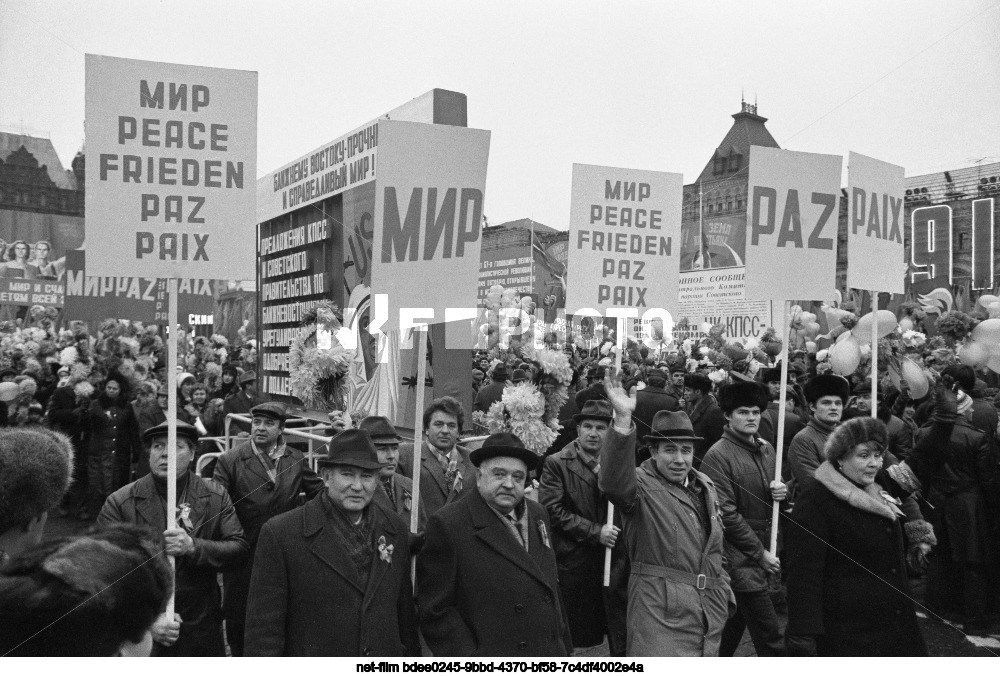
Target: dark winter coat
<point>648,402</point>
<point>742,473</point>
<point>258,499</point>
<point>237,403</point>
<point>577,510</point>
<point>435,491</point>
<point>847,581</point>
<point>113,430</point>
<point>219,546</point>
<point>480,594</point>
<point>708,422</point>
<point>306,598</point>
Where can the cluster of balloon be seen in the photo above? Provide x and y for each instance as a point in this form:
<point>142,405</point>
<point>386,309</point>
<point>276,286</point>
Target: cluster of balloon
<point>983,348</point>
<point>498,298</point>
<point>803,329</point>
<point>846,353</point>
<point>9,391</point>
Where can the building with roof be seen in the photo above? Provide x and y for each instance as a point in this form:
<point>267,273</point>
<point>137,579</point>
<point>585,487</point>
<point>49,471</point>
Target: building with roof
<point>32,177</point>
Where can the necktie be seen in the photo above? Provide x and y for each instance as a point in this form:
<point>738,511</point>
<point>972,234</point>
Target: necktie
<point>453,474</point>
<point>518,528</point>
<point>387,485</point>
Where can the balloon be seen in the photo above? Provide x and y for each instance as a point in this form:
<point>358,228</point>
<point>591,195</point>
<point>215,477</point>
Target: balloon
<point>906,324</point>
<point>811,329</point>
<point>973,354</point>
<point>9,391</point>
<point>915,378</point>
<point>994,309</point>
<point>845,357</point>
<point>807,318</point>
<point>811,347</point>
<point>863,329</point>
<point>987,332</point>
<point>986,299</point>
<point>993,364</point>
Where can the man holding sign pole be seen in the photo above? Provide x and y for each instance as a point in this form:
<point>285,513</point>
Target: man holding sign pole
<point>742,466</point>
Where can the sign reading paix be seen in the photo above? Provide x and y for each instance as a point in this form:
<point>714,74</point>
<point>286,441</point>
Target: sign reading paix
<point>876,260</point>
<point>171,169</point>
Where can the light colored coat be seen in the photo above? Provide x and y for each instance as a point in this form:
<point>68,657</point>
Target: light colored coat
<point>667,617</point>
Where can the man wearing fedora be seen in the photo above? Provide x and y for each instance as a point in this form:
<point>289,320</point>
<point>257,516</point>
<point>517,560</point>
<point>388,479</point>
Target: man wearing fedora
<point>264,476</point>
<point>208,540</point>
<point>678,593</point>
<point>241,402</point>
<point>332,578</point>
<point>487,578</point>
<point>581,534</point>
<point>445,467</point>
<point>742,466</point>
<point>396,490</point>
<point>490,394</point>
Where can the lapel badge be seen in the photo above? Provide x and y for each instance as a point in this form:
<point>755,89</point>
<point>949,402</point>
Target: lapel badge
<point>184,516</point>
<point>544,533</point>
<point>384,550</point>
<point>407,500</point>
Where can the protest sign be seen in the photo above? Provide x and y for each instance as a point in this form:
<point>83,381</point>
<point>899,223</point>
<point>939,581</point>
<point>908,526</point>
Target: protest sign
<point>875,256</point>
<point>624,245</point>
<point>428,218</point>
<point>792,224</point>
<point>171,169</point>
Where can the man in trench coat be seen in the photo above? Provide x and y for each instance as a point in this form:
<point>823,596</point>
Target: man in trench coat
<point>679,596</point>
<point>487,577</point>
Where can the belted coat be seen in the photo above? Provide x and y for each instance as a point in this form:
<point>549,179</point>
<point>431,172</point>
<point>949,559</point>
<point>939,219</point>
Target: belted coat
<point>679,596</point>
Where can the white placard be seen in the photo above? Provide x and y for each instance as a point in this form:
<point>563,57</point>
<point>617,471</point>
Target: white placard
<point>876,259</point>
<point>171,169</point>
<point>624,241</point>
<point>792,213</point>
<point>429,199</point>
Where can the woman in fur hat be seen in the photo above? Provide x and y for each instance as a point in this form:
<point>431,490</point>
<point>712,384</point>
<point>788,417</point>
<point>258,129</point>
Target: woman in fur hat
<point>848,592</point>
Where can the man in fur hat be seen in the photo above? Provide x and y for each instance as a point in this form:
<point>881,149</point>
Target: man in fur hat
<point>742,466</point>
<point>35,470</point>
<point>578,511</point>
<point>826,395</point>
<point>679,593</point>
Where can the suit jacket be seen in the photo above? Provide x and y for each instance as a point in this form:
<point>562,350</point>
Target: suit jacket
<point>435,492</point>
<point>481,594</point>
<point>306,598</point>
<point>258,499</point>
<point>401,504</point>
<point>219,545</point>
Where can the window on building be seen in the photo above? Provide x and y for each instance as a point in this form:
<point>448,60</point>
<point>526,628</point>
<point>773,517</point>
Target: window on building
<point>709,208</point>
<point>729,206</point>
<point>739,204</point>
<point>734,162</point>
<point>719,165</point>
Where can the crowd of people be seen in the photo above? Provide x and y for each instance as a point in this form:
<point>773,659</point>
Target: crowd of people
<point>515,552</point>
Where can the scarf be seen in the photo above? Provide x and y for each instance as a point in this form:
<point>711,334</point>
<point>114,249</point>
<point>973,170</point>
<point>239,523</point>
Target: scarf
<point>357,538</point>
<point>870,499</point>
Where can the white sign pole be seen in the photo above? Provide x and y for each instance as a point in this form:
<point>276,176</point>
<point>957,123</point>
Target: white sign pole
<point>874,353</point>
<point>171,422</point>
<point>622,340</point>
<point>786,311</point>
<point>421,334</point>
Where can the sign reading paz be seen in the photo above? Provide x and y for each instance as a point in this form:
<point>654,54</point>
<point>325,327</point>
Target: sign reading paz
<point>171,180</point>
<point>428,218</point>
<point>875,255</point>
<point>624,244</point>
<point>792,221</point>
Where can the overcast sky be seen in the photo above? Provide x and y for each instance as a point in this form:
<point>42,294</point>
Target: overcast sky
<point>648,85</point>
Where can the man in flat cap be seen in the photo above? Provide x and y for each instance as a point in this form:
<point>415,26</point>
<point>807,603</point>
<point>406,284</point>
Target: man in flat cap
<point>35,471</point>
<point>679,595</point>
<point>242,401</point>
<point>208,539</point>
<point>742,466</point>
<point>580,534</point>
<point>487,578</point>
<point>264,477</point>
<point>396,490</point>
<point>332,578</point>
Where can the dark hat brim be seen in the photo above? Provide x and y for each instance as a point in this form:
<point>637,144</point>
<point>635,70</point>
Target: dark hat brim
<point>361,464</point>
<point>530,459</point>
<point>667,435</point>
<point>189,432</point>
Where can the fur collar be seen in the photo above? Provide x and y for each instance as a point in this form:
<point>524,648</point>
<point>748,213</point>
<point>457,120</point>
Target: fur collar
<point>871,499</point>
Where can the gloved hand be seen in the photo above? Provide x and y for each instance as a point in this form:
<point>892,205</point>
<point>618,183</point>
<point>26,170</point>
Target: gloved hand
<point>916,556</point>
<point>800,646</point>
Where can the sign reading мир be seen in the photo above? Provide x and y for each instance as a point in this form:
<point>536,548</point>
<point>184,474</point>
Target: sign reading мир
<point>428,217</point>
<point>171,169</point>
<point>624,244</point>
<point>876,260</point>
<point>792,224</point>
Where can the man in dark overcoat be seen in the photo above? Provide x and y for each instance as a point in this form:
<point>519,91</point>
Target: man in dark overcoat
<point>703,410</point>
<point>332,578</point>
<point>242,401</point>
<point>581,535</point>
<point>487,578</point>
<point>653,399</point>
<point>264,476</point>
<point>396,490</point>
<point>208,540</point>
<point>445,467</point>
